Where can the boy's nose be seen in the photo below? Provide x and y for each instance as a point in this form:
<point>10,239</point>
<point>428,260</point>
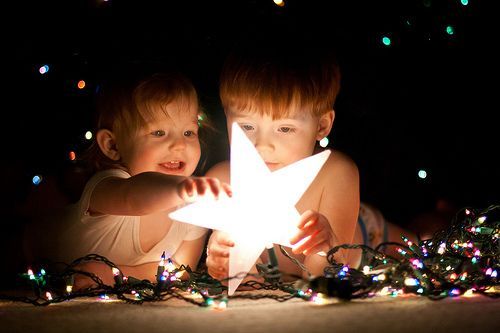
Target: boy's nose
<point>263,143</point>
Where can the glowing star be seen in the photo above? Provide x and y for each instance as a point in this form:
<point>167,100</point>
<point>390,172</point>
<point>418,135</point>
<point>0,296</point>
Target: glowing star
<point>262,209</point>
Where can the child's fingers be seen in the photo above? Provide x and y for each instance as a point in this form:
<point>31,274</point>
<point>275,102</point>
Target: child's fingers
<point>301,245</point>
<point>215,186</point>
<point>189,187</point>
<point>317,243</point>
<point>218,251</point>
<point>200,186</point>
<point>310,242</point>
<point>217,274</point>
<point>307,230</point>
<point>301,234</point>
<point>223,239</point>
<point>208,184</point>
<point>217,267</point>
<point>218,255</point>
<point>307,217</point>
<point>218,264</point>
<point>185,189</point>
<point>227,188</point>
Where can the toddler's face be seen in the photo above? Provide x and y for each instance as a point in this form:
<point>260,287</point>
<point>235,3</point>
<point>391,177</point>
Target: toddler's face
<point>168,144</point>
<point>279,142</point>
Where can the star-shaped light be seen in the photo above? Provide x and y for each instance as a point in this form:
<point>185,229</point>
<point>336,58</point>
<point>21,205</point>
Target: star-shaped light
<point>262,209</point>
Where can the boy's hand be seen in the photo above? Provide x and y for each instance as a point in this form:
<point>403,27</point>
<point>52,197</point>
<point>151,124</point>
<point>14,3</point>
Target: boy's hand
<point>218,255</point>
<point>315,234</point>
<point>193,187</point>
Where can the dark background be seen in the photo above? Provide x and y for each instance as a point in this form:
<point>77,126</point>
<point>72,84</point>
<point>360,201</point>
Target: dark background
<point>424,102</point>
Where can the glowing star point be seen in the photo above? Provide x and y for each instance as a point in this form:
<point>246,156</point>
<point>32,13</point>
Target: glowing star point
<point>261,210</point>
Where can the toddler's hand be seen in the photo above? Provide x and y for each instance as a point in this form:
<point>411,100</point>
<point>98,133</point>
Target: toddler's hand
<point>315,234</point>
<point>193,187</point>
<point>218,254</point>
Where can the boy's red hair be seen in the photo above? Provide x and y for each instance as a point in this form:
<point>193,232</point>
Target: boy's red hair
<point>279,79</point>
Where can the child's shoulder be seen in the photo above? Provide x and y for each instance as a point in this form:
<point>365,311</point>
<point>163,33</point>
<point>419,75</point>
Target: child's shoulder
<point>101,175</point>
<point>220,171</point>
<point>113,172</point>
<point>338,165</point>
<point>340,160</point>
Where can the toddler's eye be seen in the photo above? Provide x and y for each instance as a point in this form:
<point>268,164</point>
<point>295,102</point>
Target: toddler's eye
<point>246,127</point>
<point>158,133</point>
<point>189,133</point>
<point>285,129</point>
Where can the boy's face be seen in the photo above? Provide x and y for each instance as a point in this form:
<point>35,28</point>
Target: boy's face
<point>168,145</point>
<point>279,142</point>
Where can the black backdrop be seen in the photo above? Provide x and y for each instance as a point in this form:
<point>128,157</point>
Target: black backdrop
<point>424,102</point>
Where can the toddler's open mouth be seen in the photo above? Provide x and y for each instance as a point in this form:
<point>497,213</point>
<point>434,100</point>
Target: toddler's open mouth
<point>174,166</point>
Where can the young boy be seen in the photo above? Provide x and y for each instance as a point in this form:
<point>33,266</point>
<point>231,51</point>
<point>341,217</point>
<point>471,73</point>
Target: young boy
<point>282,95</point>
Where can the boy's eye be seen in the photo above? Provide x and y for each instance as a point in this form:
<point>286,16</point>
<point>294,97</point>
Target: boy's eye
<point>246,127</point>
<point>158,133</point>
<point>286,129</point>
<point>189,133</point>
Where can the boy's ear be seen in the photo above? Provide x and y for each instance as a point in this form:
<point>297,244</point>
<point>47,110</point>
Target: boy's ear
<point>107,142</point>
<point>325,124</point>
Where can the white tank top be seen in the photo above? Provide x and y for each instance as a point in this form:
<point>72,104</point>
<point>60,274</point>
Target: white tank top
<point>112,236</point>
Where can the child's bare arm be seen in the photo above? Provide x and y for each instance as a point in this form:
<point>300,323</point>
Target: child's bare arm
<point>150,192</point>
<point>340,203</point>
<point>334,222</point>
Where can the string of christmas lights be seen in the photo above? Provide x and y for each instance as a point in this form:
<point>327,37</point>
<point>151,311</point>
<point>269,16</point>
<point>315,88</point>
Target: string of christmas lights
<point>458,261</point>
